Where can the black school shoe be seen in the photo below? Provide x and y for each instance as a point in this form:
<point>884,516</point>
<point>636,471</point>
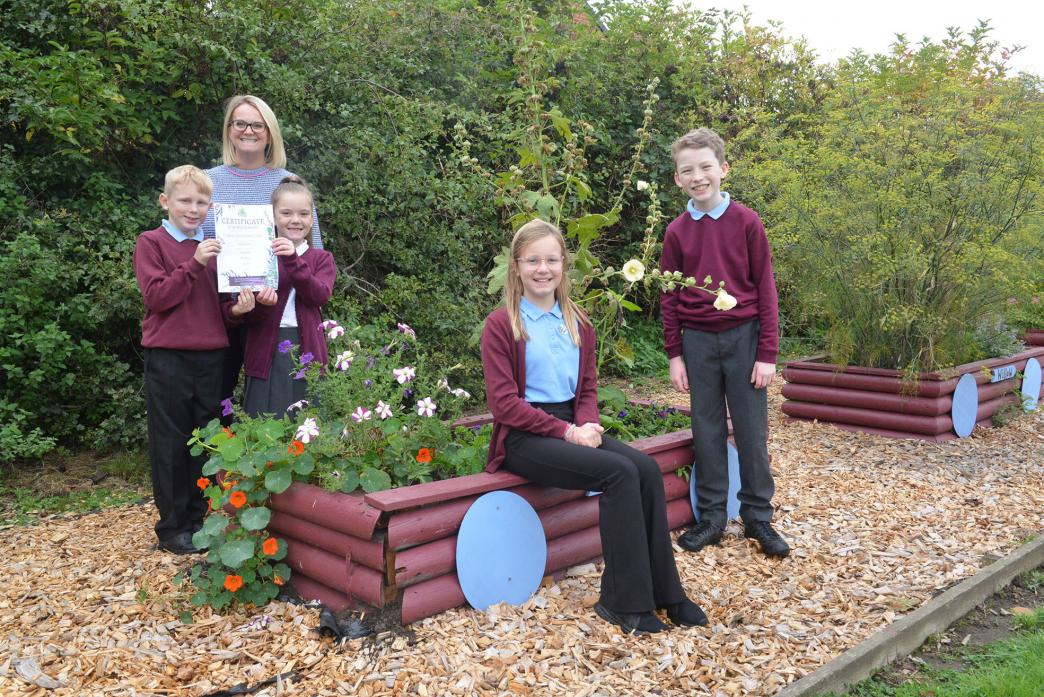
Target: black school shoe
<point>180,543</point>
<point>771,542</point>
<point>686,614</point>
<point>696,538</point>
<point>638,623</point>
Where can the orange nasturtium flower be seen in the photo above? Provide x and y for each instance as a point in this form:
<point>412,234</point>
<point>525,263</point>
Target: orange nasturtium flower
<point>424,455</point>
<point>238,499</point>
<point>202,483</point>
<point>233,582</point>
<point>278,580</point>
<point>227,483</point>
<point>270,546</point>
<point>228,432</point>
<point>295,448</point>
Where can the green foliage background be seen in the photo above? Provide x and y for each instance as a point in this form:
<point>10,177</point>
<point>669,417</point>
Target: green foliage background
<point>100,97</point>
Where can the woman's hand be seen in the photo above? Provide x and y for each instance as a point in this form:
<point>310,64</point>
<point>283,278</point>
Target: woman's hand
<point>283,247</point>
<point>588,435</point>
<point>267,296</point>
<point>244,303</point>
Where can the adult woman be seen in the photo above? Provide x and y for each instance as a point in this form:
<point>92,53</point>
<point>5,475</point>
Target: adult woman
<point>254,164</point>
<point>538,358</point>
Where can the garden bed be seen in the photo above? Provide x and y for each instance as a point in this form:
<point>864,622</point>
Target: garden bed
<point>401,543</point>
<point>879,401</point>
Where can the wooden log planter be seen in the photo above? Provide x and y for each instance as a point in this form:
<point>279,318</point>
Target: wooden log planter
<point>1033,337</point>
<point>401,543</point>
<point>878,401</point>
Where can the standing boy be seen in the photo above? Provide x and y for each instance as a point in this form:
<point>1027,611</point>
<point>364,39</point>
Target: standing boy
<point>184,338</point>
<point>718,356</point>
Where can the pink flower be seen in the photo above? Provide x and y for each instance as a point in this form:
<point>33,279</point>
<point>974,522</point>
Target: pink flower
<point>327,323</point>
<point>361,414</point>
<point>335,332</point>
<point>404,375</point>
<point>405,329</point>
<point>383,410</point>
<point>425,407</point>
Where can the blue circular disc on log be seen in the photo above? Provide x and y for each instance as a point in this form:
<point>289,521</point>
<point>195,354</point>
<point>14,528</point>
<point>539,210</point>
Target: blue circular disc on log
<point>501,550</point>
<point>732,504</point>
<point>1031,384</point>
<point>965,405</point>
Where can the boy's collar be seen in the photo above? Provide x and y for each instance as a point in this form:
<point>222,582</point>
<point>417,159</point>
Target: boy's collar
<point>180,236</point>
<point>715,213</point>
<point>534,313</point>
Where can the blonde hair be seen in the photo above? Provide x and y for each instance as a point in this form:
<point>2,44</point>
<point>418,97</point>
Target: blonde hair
<point>292,184</point>
<point>700,138</point>
<point>513,290</point>
<point>187,174</point>
<point>275,153</point>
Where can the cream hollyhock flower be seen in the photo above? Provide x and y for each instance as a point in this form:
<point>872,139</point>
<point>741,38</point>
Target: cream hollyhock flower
<point>724,301</point>
<point>641,185</point>
<point>633,270</point>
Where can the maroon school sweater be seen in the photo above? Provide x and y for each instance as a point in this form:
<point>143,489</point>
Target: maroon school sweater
<point>504,370</point>
<point>312,275</point>
<point>734,249</point>
<point>181,299</point>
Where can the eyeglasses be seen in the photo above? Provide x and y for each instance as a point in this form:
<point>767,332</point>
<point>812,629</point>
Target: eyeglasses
<point>534,262</point>
<point>255,127</point>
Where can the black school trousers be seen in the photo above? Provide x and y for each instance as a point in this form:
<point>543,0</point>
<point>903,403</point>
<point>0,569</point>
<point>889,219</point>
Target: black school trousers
<point>640,574</point>
<point>182,392</point>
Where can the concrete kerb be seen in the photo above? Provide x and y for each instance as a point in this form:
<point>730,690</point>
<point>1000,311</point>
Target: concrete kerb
<point>905,635</point>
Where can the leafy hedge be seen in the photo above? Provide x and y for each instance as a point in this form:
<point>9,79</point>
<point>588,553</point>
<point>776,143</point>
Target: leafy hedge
<point>101,97</point>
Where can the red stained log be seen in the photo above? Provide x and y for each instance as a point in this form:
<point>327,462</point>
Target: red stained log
<point>1033,337</point>
<point>435,522</point>
<point>865,399</point>
<point>444,490</point>
<point>906,423</point>
<point>310,589</point>
<point>347,513</point>
<point>991,407</point>
<point>679,513</point>
<point>329,569</point>
<point>367,552</point>
<point>367,585</point>
<point>431,597</point>
<point>420,563</point>
<point>889,433</point>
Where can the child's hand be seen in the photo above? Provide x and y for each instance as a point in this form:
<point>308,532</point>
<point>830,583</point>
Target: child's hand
<point>589,435</point>
<point>679,376</point>
<point>267,296</point>
<point>763,374</point>
<point>283,247</point>
<point>207,250</point>
<point>244,303</point>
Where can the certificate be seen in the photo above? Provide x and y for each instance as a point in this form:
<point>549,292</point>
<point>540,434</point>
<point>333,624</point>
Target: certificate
<point>246,259</point>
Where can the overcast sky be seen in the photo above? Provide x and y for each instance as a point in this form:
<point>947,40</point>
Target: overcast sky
<point>834,28</point>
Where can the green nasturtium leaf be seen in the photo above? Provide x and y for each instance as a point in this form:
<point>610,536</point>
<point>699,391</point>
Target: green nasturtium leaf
<point>374,480</point>
<point>277,481</point>
<point>233,554</point>
<point>255,518</point>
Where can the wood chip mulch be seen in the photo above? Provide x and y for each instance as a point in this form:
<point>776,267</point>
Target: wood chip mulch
<point>878,526</point>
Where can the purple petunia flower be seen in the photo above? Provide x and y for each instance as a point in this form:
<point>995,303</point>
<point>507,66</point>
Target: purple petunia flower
<point>386,351</point>
<point>622,414</point>
<point>406,393</point>
<point>285,346</point>
<point>226,406</point>
<point>307,358</point>
<point>299,375</point>
<point>370,362</point>
<point>368,383</point>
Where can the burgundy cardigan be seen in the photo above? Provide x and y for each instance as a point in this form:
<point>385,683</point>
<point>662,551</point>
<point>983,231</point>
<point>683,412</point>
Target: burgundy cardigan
<point>504,369</point>
<point>312,275</point>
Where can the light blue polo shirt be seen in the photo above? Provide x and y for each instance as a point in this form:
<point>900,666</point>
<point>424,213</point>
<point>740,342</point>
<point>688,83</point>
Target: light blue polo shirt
<point>552,359</point>
<point>180,236</point>
<point>714,213</point>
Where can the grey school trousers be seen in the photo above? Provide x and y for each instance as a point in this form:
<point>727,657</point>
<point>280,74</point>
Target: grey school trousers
<point>719,365</point>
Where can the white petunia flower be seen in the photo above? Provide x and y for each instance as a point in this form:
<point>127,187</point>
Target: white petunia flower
<point>463,394</point>
<point>404,375</point>
<point>405,329</point>
<point>307,431</point>
<point>383,410</point>
<point>425,407</point>
<point>298,405</point>
<point>361,414</point>
<point>344,360</point>
<point>335,331</point>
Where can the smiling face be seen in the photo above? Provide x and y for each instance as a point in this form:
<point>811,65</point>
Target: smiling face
<point>186,206</point>
<point>699,173</point>
<point>540,269</point>
<point>293,216</point>
<point>250,143</point>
